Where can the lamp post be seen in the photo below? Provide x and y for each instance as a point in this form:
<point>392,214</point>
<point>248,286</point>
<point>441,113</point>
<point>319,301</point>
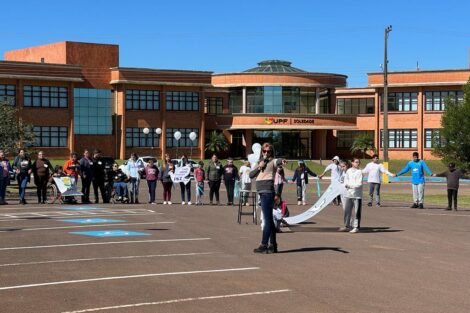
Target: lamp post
<point>158,131</point>
<point>177,136</point>
<point>192,136</point>
<point>385,97</point>
<point>146,132</point>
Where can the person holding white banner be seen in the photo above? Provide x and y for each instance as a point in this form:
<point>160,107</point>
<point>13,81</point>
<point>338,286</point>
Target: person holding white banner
<point>186,185</point>
<point>264,173</point>
<point>336,173</point>
<point>352,198</point>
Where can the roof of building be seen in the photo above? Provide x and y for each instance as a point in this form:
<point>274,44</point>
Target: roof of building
<point>274,66</point>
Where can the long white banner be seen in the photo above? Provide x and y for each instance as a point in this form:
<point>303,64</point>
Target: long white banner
<point>335,189</point>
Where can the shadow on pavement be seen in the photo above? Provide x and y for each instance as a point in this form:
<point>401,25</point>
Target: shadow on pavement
<point>157,229</point>
<point>315,249</point>
<point>298,228</point>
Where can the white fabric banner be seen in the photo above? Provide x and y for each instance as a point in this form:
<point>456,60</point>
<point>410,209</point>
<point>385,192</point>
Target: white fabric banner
<point>335,189</point>
<point>66,186</point>
<point>181,175</point>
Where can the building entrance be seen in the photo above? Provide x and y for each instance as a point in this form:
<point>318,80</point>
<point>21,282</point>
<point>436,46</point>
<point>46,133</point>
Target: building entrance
<point>287,144</point>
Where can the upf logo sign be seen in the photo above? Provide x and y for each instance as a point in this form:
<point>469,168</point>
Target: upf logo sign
<point>271,120</point>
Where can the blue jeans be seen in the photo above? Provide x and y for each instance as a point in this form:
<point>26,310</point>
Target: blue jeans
<point>121,189</point>
<point>23,179</point>
<point>135,186</point>
<point>269,231</point>
<point>152,184</point>
<point>3,187</point>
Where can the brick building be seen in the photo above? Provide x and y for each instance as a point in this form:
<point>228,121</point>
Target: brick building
<point>77,96</point>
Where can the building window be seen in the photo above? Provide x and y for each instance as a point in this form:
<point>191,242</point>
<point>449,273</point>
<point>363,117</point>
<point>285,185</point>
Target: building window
<point>50,136</point>
<point>353,106</point>
<point>182,101</point>
<point>235,101</point>
<point>135,137</point>
<point>345,139</point>
<point>8,94</point>
<point>93,110</point>
<point>142,100</point>
<point>214,105</point>
<point>432,138</point>
<point>184,140</point>
<point>402,101</point>
<point>400,138</point>
<point>45,96</point>
<point>436,100</point>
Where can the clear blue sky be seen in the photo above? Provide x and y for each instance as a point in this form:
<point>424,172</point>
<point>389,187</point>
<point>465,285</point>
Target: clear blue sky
<point>344,37</point>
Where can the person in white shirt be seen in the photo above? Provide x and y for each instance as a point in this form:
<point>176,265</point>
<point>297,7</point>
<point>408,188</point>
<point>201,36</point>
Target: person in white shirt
<point>373,170</point>
<point>352,198</point>
<point>245,180</point>
<point>335,175</point>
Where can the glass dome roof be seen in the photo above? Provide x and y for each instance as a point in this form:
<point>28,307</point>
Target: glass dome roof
<point>274,66</point>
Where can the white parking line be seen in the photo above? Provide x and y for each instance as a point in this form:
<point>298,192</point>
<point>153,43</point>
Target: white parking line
<point>102,243</point>
<point>126,277</point>
<point>444,214</point>
<point>78,214</point>
<point>111,258</point>
<point>87,225</point>
<point>257,293</point>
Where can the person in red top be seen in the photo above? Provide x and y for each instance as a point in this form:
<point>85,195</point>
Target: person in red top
<point>72,167</point>
<point>200,176</point>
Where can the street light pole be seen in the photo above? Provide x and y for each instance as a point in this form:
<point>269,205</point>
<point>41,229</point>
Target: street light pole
<point>385,98</point>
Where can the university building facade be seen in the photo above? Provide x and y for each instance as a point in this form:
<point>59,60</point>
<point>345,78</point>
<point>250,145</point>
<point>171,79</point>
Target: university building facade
<point>77,96</point>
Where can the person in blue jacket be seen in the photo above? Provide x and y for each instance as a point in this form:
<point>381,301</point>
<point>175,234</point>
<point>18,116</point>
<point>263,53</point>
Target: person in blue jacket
<point>417,168</point>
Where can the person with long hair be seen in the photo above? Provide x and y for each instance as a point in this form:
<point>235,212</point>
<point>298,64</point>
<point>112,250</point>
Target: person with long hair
<point>5,168</point>
<point>214,175</point>
<point>167,183</point>
<point>134,167</point>
<point>301,179</point>
<point>353,198</point>
<point>264,172</point>
<point>22,165</point>
<point>42,169</point>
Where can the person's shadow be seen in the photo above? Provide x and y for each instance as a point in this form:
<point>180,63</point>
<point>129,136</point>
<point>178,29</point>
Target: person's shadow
<point>315,249</point>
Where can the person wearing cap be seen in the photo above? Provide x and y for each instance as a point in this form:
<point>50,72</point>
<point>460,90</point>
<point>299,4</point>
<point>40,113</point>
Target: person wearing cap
<point>373,170</point>
<point>453,175</point>
<point>417,168</point>
<point>335,174</point>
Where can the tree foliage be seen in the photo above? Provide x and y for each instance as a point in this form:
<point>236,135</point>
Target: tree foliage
<point>14,133</point>
<point>216,142</point>
<point>454,142</point>
<point>363,143</point>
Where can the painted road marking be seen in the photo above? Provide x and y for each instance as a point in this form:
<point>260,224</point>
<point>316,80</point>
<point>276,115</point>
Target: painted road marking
<point>54,283</point>
<point>235,295</point>
<point>109,233</point>
<point>92,220</point>
<point>444,214</point>
<point>103,243</point>
<point>61,214</point>
<point>111,258</point>
<point>83,226</point>
<point>81,208</point>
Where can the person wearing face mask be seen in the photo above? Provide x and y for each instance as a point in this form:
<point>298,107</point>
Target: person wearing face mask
<point>214,175</point>
<point>23,167</point>
<point>5,168</point>
<point>264,172</point>
<point>42,169</point>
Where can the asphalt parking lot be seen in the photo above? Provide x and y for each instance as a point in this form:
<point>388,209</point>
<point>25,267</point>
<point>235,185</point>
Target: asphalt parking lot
<point>160,258</point>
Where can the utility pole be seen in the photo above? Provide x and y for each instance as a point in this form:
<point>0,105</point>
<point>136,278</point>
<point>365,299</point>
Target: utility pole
<point>385,97</point>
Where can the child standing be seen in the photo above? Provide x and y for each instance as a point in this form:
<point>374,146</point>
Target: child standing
<point>151,174</point>
<point>353,198</point>
<point>453,176</point>
<point>167,183</point>
<point>245,181</point>
<point>301,178</point>
<point>279,180</point>
<point>200,176</point>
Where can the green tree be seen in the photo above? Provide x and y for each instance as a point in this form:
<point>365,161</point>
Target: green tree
<point>453,142</point>
<point>363,142</point>
<point>14,133</point>
<point>216,142</point>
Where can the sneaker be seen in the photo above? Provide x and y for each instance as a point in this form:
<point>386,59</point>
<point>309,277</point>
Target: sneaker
<point>183,203</point>
<point>261,249</point>
<point>189,203</point>
<point>153,203</point>
<point>354,230</point>
<point>299,202</point>
<point>369,204</point>
<point>414,206</point>
<point>421,206</point>
<point>304,203</point>
<point>448,209</point>
<point>169,202</point>
<point>272,248</point>
<point>455,209</point>
<point>344,229</point>
<point>125,199</point>
<point>119,198</point>
<point>378,205</point>
<point>164,202</point>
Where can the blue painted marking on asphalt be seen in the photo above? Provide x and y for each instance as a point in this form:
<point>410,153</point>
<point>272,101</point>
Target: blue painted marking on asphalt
<point>81,208</point>
<point>91,220</point>
<point>109,233</point>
